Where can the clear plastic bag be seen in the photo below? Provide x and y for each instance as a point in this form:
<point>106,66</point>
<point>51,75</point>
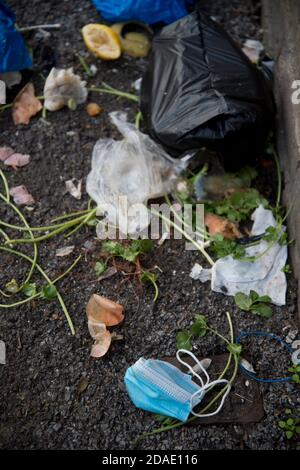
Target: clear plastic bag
<point>135,167</point>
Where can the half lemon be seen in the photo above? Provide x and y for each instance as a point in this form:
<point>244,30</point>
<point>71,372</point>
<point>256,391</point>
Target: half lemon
<point>102,41</point>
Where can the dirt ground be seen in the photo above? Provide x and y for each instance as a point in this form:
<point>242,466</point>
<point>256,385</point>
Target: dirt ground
<point>39,404</point>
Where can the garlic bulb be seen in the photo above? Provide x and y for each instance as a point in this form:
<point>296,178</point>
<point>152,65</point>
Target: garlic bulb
<point>61,86</point>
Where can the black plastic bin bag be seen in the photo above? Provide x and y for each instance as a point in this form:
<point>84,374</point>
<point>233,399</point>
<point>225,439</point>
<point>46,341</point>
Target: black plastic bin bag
<point>200,90</point>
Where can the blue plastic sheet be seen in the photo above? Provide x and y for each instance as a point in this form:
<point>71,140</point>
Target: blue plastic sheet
<point>148,11</point>
<point>13,53</point>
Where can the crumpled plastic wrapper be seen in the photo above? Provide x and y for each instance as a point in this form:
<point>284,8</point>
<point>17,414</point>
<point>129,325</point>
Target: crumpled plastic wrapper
<point>61,86</point>
<point>127,172</point>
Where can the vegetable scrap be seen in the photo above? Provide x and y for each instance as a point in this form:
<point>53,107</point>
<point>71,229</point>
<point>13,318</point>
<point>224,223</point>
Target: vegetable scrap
<point>102,312</point>
<point>219,225</point>
<point>102,41</point>
<point>21,196</point>
<point>93,109</point>
<point>63,88</point>
<point>73,189</point>
<point>64,251</point>
<point>25,105</point>
<point>11,158</point>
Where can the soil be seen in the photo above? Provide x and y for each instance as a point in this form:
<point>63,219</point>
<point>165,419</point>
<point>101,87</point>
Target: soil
<point>40,403</point>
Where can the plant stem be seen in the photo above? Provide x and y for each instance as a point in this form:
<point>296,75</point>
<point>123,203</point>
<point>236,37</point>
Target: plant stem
<point>203,233</point>
<point>156,291</point>
<point>59,278</point>
<point>60,229</point>
<point>5,106</point>
<point>219,335</point>
<point>113,91</point>
<point>85,65</point>
<point>20,302</point>
<point>44,112</point>
<point>138,119</point>
<point>186,235</point>
<point>70,215</point>
<point>46,228</point>
<point>35,249</point>
<point>7,197</point>
<point>279,178</point>
<point>84,221</point>
<point>42,272</point>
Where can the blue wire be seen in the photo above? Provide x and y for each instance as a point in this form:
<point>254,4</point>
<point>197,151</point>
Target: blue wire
<point>278,340</point>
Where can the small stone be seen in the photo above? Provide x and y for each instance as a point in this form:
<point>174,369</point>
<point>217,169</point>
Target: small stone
<point>2,352</point>
<point>67,394</point>
<point>93,69</point>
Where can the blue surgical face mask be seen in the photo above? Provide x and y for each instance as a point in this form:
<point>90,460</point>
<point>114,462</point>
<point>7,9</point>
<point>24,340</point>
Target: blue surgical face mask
<point>162,388</point>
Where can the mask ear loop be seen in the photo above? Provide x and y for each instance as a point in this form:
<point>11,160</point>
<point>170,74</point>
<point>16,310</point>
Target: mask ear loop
<point>189,353</point>
<point>203,386</point>
<point>215,382</point>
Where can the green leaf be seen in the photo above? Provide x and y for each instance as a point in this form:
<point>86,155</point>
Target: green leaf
<point>100,268</point>
<point>49,292</point>
<point>254,303</point>
<point>282,424</point>
<point>288,411</point>
<point>183,340</point>
<point>271,234</point>
<point>290,422</point>
<point>289,434</point>
<point>111,247</point>
<point>243,301</point>
<point>239,206</point>
<point>128,252</point>
<point>222,247</point>
<point>92,222</point>
<point>286,269</point>
<point>12,286</point>
<point>262,309</point>
<point>145,245</point>
<point>296,378</point>
<point>275,234</point>
<point>297,429</point>
<point>254,296</point>
<point>199,328</point>
<point>29,289</point>
<point>283,239</point>
<point>235,348</point>
<point>246,174</point>
<point>265,298</point>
